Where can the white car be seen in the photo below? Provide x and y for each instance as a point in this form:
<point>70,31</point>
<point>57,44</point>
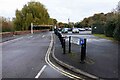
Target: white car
<point>81,29</point>
<point>89,29</point>
<point>64,30</point>
<point>75,30</point>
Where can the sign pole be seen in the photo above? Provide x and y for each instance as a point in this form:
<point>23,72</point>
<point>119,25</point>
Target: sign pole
<point>31,28</point>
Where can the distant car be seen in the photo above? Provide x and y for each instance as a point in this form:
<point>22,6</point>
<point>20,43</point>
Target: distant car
<point>86,28</point>
<point>64,30</point>
<point>59,29</point>
<point>75,30</point>
<point>69,29</point>
<point>89,29</point>
<point>81,29</point>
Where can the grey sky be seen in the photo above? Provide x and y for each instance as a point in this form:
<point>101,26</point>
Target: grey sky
<point>61,10</point>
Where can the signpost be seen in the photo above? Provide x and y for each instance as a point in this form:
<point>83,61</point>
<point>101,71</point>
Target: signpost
<point>31,28</point>
<point>81,42</point>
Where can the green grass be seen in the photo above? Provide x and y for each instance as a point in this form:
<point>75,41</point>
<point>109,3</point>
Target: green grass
<point>103,36</point>
<point>71,54</point>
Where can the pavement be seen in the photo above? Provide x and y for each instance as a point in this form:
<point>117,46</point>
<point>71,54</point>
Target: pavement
<point>24,57</point>
<point>101,60</point>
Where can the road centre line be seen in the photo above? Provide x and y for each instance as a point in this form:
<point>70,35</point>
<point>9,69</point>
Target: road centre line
<point>40,72</point>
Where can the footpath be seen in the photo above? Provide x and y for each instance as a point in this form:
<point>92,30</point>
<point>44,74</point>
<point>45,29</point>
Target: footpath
<point>101,61</point>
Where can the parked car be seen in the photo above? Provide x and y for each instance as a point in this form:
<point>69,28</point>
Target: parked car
<point>81,29</point>
<point>89,29</point>
<point>69,29</point>
<point>64,30</point>
<point>59,29</point>
<point>75,30</point>
<point>86,28</point>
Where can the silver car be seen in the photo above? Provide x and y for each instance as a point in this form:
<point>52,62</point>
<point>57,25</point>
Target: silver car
<point>64,30</point>
<point>75,30</point>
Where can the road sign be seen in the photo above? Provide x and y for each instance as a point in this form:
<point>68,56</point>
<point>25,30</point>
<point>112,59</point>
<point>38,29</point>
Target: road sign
<point>81,41</point>
<point>83,49</point>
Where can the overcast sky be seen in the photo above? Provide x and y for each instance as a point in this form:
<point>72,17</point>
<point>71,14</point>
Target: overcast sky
<point>61,10</point>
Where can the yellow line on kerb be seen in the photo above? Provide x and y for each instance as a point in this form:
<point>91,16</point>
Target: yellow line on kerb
<point>47,59</point>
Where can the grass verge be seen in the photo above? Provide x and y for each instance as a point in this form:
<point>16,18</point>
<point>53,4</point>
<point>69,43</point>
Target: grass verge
<point>71,54</point>
<point>103,36</point>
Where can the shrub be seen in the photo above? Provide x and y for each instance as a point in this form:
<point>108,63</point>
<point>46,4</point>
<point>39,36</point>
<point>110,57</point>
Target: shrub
<point>98,28</point>
<point>110,27</point>
<point>116,33</point>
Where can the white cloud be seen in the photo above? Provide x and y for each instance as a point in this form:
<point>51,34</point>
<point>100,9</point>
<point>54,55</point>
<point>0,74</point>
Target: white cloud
<point>76,10</point>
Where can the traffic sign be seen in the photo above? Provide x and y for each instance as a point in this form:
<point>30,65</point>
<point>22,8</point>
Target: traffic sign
<point>81,42</point>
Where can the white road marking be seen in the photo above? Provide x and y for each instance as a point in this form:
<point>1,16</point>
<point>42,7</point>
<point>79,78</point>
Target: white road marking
<point>43,36</point>
<point>43,68</point>
<point>30,36</point>
<point>12,40</point>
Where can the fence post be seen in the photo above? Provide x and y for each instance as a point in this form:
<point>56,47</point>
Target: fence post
<point>69,44</point>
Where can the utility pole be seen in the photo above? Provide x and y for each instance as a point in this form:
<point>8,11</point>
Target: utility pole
<point>31,28</point>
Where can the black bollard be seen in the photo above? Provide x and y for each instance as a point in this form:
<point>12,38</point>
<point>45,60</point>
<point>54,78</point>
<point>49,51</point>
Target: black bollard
<point>69,44</point>
<point>61,39</point>
<point>83,51</point>
<point>55,31</point>
<point>64,46</point>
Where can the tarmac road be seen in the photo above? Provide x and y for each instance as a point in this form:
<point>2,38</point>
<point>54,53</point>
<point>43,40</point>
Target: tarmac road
<point>24,57</point>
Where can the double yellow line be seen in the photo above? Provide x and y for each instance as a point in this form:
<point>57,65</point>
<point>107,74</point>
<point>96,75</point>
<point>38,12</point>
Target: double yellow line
<point>47,59</point>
